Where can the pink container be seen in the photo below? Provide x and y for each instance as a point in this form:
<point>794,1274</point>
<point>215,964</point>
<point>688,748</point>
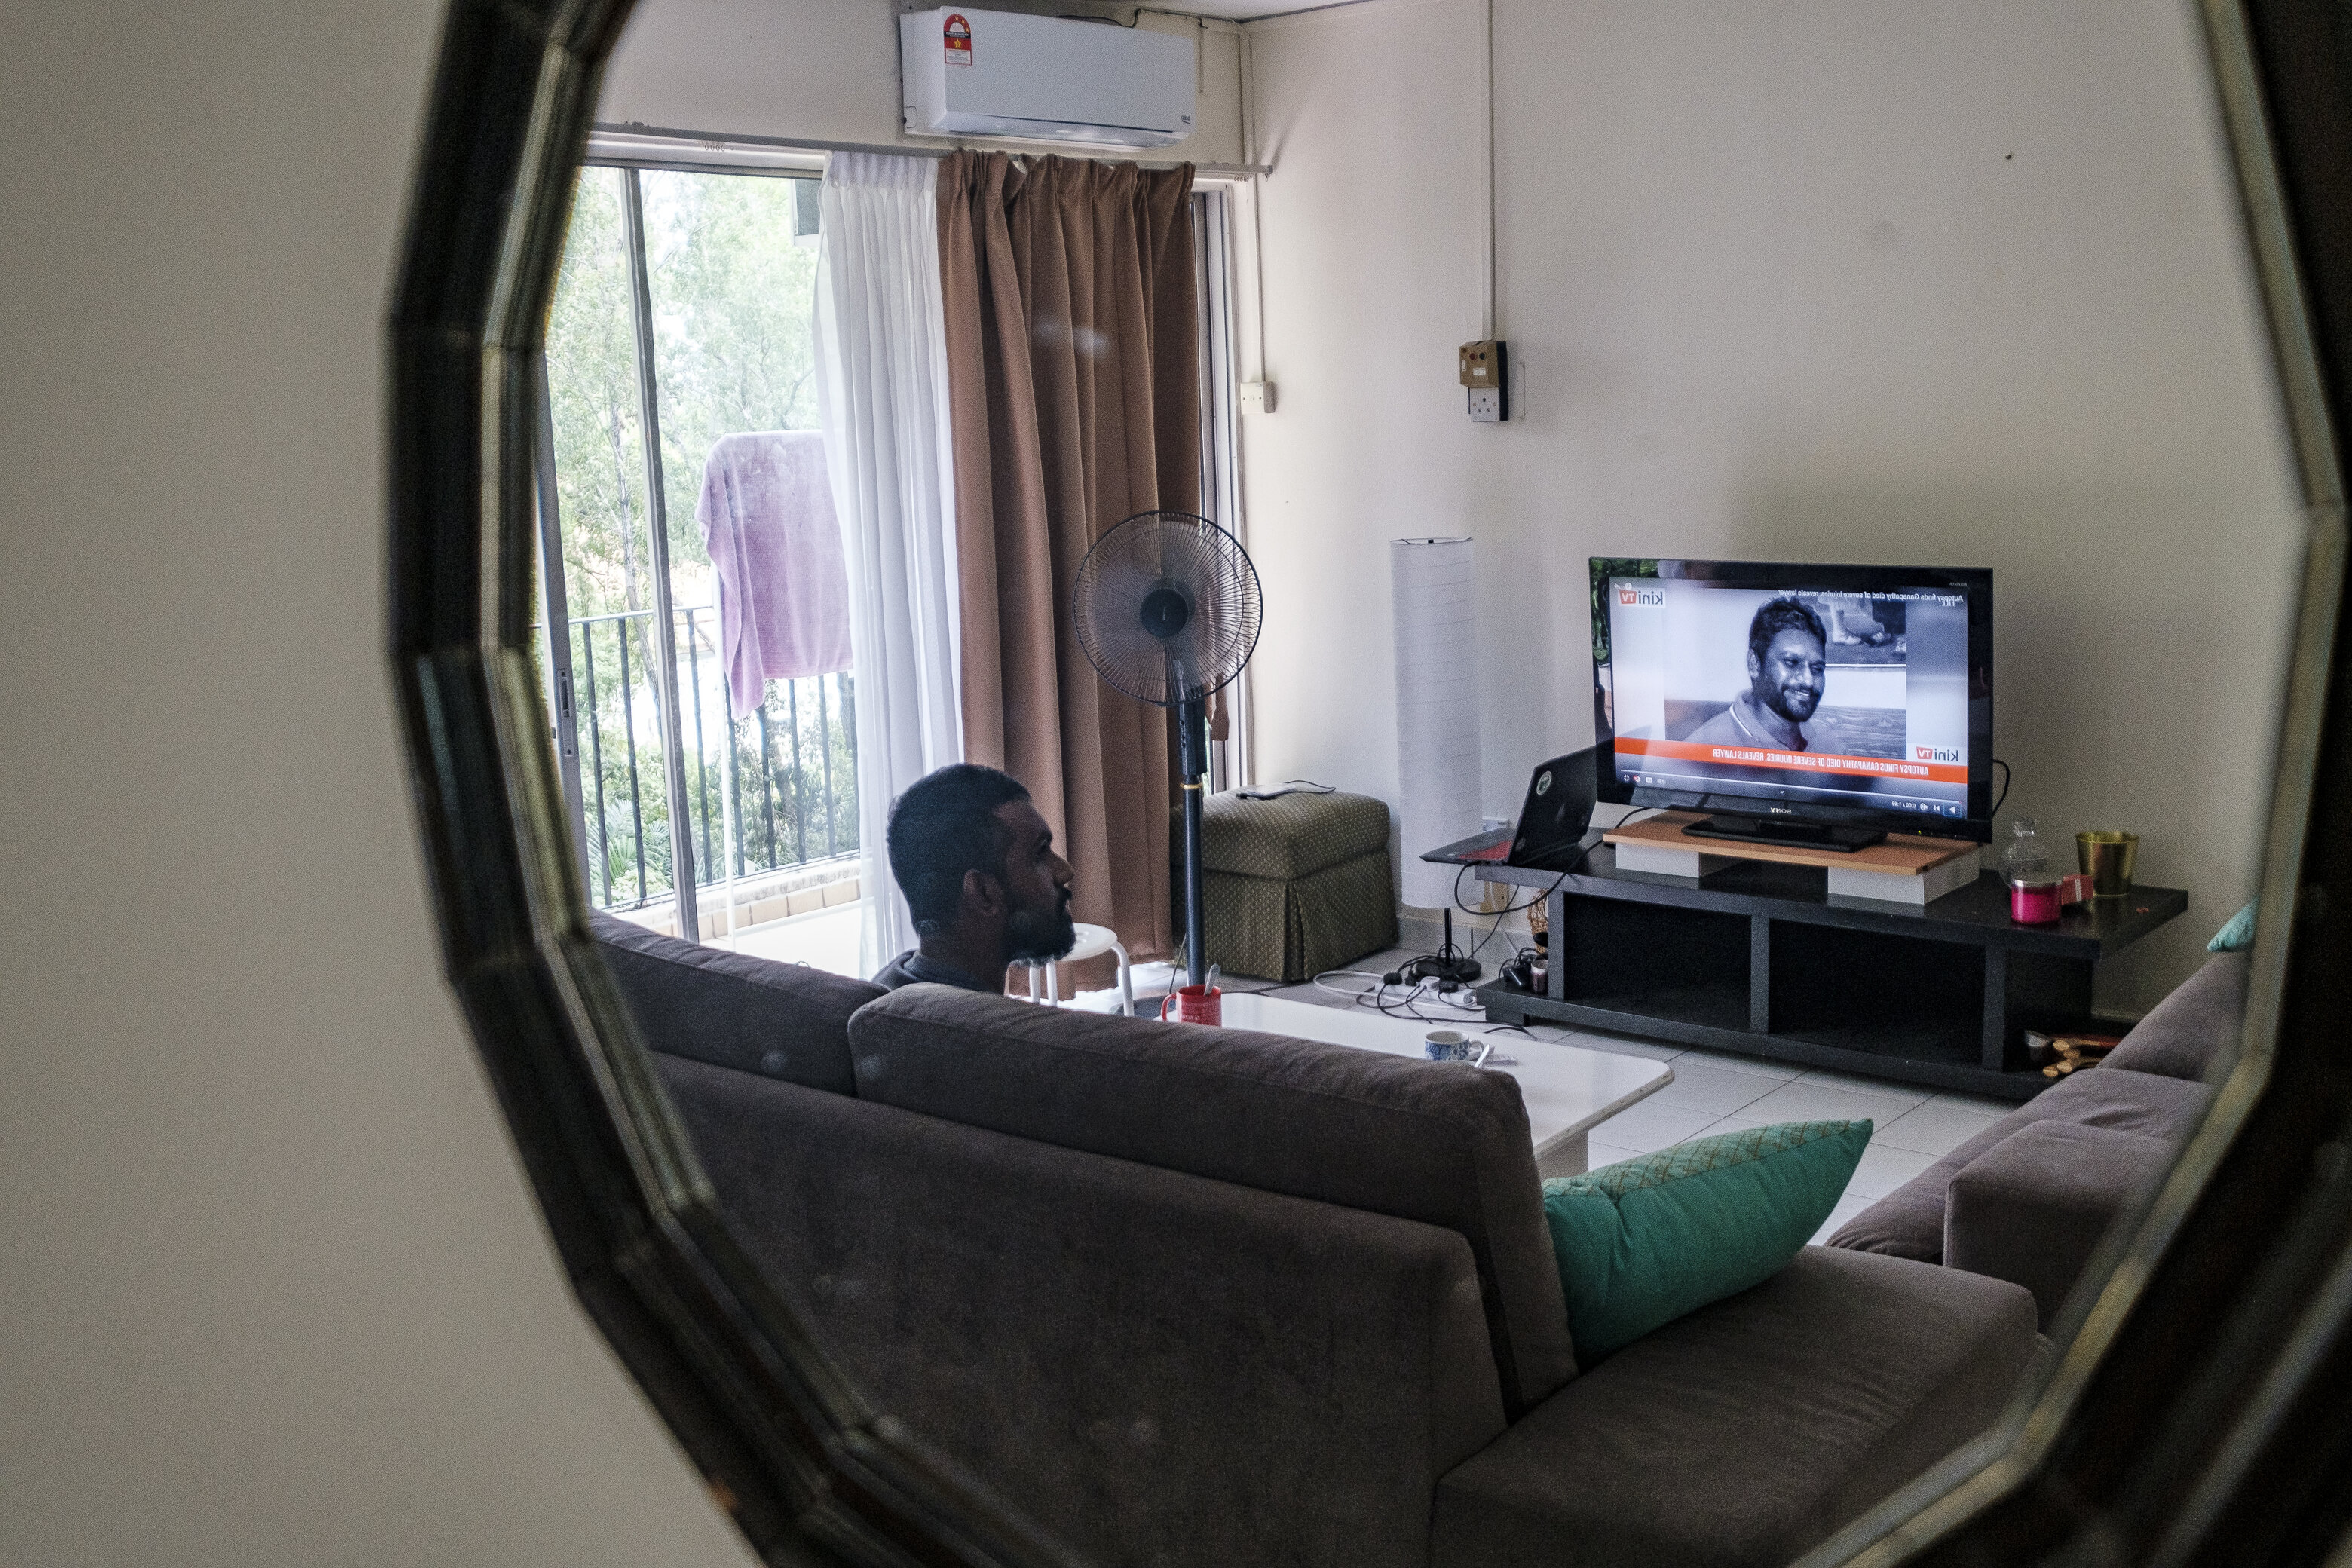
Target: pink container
<point>2033,900</point>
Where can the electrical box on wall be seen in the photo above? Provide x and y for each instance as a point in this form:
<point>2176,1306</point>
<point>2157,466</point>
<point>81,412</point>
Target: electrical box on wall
<point>1485,371</point>
<point>1005,73</point>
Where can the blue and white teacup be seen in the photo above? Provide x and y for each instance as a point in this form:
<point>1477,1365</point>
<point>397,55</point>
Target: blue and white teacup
<point>1447,1045</point>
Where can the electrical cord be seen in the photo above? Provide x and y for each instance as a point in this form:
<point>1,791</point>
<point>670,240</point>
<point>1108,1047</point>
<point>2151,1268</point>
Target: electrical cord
<point>1417,993</point>
<point>1352,995</point>
<point>1510,909</point>
<point>1422,996</point>
<point>2007,778</point>
<point>1288,786</point>
<point>1583,858</point>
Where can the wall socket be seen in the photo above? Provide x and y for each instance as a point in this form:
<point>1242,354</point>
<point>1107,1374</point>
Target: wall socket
<point>1256,396</point>
<point>1485,371</point>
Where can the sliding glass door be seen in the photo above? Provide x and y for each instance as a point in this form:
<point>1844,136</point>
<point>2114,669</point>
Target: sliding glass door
<point>702,705</point>
<point>693,631</point>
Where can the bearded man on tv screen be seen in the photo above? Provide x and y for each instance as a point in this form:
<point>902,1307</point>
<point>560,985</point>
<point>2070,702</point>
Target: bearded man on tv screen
<point>1787,671</point>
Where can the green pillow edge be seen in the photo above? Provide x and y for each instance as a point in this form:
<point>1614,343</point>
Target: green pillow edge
<point>1631,1263</point>
<point>2236,933</point>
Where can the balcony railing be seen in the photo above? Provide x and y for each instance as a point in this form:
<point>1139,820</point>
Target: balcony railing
<point>775,789</point>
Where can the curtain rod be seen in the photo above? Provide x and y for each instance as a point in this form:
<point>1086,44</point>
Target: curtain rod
<point>730,141</point>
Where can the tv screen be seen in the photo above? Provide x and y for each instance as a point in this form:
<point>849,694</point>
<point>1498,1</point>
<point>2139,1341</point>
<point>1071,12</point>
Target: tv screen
<point>1779,695</point>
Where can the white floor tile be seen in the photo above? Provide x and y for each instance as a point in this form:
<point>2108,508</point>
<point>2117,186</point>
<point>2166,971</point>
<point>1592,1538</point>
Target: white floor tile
<point>1315,995</point>
<point>1936,1128</point>
<point>1599,1154</point>
<point>1647,1125</point>
<point>1550,1034</point>
<point>1755,1066</point>
<point>1977,1103</point>
<point>1853,1083</point>
<point>1700,1087</point>
<point>1884,1169</point>
<point>1847,1208</point>
<point>1801,1102</point>
<point>1623,1046</point>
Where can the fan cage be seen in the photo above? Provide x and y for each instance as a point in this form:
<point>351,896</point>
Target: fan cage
<point>1201,562</point>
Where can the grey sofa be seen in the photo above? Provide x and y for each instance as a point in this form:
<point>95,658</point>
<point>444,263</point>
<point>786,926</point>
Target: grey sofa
<point>1199,1295</point>
<point>2028,1198</point>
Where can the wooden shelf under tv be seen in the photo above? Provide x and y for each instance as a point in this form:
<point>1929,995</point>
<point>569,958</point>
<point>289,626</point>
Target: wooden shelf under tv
<point>1898,855</point>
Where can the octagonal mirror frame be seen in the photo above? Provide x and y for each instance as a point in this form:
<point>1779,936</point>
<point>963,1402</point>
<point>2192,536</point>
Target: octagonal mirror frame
<point>2197,1400</point>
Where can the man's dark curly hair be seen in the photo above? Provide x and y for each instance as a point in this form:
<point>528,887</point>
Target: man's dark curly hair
<point>1783,616</point>
<point>944,825</point>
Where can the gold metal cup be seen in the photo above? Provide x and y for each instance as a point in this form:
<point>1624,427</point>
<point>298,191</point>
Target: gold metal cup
<point>2107,860</point>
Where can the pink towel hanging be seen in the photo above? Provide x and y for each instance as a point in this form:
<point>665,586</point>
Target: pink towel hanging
<point>767,519</point>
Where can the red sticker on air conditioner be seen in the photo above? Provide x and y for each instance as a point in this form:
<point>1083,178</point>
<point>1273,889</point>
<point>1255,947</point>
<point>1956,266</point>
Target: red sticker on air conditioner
<point>956,34</point>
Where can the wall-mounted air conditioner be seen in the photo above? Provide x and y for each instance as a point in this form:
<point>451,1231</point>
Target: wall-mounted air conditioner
<point>1003,73</point>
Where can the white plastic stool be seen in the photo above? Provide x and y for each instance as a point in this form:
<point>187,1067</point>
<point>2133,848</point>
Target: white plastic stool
<point>1092,943</point>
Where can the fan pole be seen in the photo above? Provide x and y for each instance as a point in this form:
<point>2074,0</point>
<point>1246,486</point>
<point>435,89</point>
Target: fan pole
<point>1192,766</point>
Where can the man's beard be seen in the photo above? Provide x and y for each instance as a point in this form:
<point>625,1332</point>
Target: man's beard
<point>1040,934</point>
<point>1784,700</point>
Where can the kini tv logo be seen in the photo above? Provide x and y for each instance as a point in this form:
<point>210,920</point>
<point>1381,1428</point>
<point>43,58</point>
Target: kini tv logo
<point>1936,753</point>
<point>1629,596</point>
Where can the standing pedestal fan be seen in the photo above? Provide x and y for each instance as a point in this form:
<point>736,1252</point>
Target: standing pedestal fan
<point>1166,607</point>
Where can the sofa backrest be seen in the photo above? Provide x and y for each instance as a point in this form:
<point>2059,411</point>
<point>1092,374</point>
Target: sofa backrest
<point>1442,1144</point>
<point>2192,1027</point>
<point>733,1010</point>
<point>1152,1367</point>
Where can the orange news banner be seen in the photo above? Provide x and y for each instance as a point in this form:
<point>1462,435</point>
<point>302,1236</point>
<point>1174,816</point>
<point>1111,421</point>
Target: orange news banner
<point>1807,762</point>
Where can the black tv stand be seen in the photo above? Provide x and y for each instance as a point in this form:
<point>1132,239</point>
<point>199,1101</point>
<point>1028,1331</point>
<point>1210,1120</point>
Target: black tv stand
<point>1760,958</point>
<point>1778,830</point>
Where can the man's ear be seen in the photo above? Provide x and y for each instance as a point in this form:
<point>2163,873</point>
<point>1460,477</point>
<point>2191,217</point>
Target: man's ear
<point>1755,664</point>
<point>982,893</point>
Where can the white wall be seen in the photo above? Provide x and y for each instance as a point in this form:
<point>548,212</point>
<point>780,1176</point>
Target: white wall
<point>1805,280</point>
<point>275,1292</point>
<point>827,70</point>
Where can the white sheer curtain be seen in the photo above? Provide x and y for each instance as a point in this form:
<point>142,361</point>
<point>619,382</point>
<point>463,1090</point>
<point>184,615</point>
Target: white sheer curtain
<point>882,390</point>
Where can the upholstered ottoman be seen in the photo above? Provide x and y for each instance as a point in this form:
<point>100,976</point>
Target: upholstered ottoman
<point>1294,885</point>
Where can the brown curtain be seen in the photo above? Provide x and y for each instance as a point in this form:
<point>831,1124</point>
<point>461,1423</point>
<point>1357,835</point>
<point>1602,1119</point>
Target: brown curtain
<point>1074,401</point>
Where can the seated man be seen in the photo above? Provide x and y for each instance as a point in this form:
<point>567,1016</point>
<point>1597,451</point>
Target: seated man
<point>982,883</point>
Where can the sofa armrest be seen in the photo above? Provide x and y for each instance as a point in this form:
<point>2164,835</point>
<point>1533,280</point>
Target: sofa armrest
<point>2194,1026</point>
<point>1748,1431</point>
<point>2033,1207</point>
<point>1154,1367</point>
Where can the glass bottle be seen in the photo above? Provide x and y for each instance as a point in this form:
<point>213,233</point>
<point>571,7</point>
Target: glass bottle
<point>2025,857</point>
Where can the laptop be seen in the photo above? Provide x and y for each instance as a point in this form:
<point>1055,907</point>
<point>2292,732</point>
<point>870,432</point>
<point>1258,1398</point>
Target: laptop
<point>1549,836</point>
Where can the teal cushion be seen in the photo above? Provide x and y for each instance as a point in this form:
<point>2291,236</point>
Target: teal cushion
<point>1642,1242</point>
<point>2237,936</point>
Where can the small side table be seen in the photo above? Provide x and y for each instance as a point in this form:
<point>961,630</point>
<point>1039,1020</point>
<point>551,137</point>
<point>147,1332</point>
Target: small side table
<point>1092,943</point>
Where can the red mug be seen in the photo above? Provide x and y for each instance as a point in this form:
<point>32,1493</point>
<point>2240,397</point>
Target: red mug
<point>1195,1004</point>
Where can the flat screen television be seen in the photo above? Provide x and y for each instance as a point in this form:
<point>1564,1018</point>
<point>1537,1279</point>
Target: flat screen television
<point>1827,706</point>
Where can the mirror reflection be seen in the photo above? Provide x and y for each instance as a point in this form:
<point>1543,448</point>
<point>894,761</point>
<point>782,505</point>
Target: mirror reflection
<point>1687,783</point>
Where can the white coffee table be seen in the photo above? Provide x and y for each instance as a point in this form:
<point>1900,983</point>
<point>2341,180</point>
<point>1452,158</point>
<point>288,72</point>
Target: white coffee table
<point>1568,1089</point>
